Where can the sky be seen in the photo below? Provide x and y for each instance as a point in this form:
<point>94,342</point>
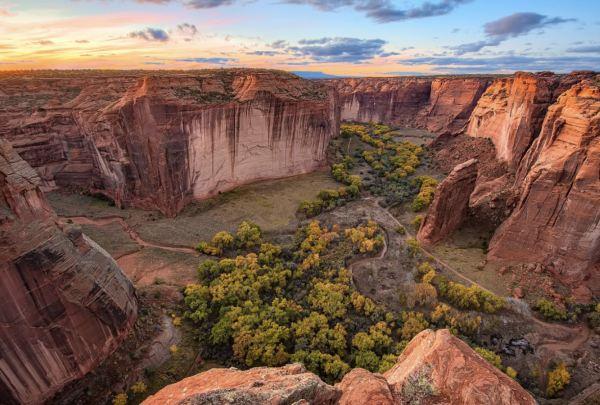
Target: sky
<point>337,37</point>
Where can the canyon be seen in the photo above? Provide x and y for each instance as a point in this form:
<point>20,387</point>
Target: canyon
<point>520,155</point>
<point>157,142</point>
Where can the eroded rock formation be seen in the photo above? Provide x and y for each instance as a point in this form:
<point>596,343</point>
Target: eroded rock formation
<point>512,109</point>
<point>450,204</point>
<point>159,141</point>
<point>64,303</point>
<point>437,104</point>
<point>446,370</point>
<point>557,218</point>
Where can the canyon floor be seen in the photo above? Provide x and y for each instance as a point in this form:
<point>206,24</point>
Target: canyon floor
<point>158,254</point>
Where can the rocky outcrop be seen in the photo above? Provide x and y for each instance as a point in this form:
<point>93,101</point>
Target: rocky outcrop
<point>65,304</point>
<point>435,368</point>
<point>289,384</point>
<point>450,204</point>
<point>159,141</point>
<point>437,104</point>
<point>454,373</point>
<point>557,219</point>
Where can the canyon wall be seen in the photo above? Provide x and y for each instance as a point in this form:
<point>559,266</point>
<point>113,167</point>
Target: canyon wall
<point>159,141</point>
<point>441,105</point>
<point>512,109</point>
<point>64,303</point>
<point>557,218</point>
<point>447,370</point>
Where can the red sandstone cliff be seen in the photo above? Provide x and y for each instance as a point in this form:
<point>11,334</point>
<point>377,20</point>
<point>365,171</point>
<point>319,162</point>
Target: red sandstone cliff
<point>436,104</point>
<point>454,373</point>
<point>64,303</point>
<point>512,109</point>
<point>557,218</point>
<point>450,204</point>
<point>159,141</point>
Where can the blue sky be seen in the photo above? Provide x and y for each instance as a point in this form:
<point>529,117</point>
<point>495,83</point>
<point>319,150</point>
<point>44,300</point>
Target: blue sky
<point>344,37</point>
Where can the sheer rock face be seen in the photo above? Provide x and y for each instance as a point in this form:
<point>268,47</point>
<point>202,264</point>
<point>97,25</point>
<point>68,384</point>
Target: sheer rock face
<point>454,372</point>
<point>450,204</point>
<point>557,218</point>
<point>511,112</point>
<point>64,303</point>
<point>161,141</point>
<point>512,109</point>
<point>438,105</point>
<point>260,385</point>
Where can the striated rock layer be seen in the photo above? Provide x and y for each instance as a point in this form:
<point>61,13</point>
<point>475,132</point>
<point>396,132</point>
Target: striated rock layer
<point>159,141</point>
<point>64,303</point>
<point>441,105</point>
<point>512,109</point>
<point>557,218</point>
<point>452,371</point>
<point>450,204</point>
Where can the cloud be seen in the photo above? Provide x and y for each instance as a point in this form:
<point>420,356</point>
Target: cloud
<point>264,53</point>
<point>279,44</point>
<point>379,10</point>
<point>521,23</point>
<point>208,3</point>
<point>339,49</point>
<point>187,29</point>
<point>507,63</point>
<point>214,60</point>
<point>511,26</point>
<point>151,34</point>
<point>585,49</point>
<point>82,41</point>
<point>44,42</point>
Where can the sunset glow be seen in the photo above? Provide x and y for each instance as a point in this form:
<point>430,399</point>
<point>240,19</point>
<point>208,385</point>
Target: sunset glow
<point>336,37</point>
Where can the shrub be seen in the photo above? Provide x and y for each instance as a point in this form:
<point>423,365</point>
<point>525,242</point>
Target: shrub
<point>490,357</point>
<point>417,221</point>
<point>248,235</point>
<point>473,297</point>
<point>550,311</point>
<point>414,247</point>
<point>426,193</point>
<point>418,386</point>
<point>558,379</point>
<point>413,323</point>
<point>511,372</point>
<point>120,399</point>
<point>139,387</point>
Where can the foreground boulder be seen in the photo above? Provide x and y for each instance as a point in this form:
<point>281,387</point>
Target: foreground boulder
<point>450,204</point>
<point>441,367</point>
<point>557,218</point>
<point>260,385</point>
<point>64,303</point>
<point>435,368</point>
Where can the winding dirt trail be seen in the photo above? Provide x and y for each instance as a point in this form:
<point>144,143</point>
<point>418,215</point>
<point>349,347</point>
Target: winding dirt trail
<point>555,337</point>
<point>82,220</point>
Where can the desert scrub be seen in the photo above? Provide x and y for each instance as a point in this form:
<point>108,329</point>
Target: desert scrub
<point>427,186</point>
<point>490,357</point>
<point>419,386</point>
<point>470,298</point>
<point>329,199</point>
<point>276,304</point>
<point>550,310</point>
<point>557,380</point>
